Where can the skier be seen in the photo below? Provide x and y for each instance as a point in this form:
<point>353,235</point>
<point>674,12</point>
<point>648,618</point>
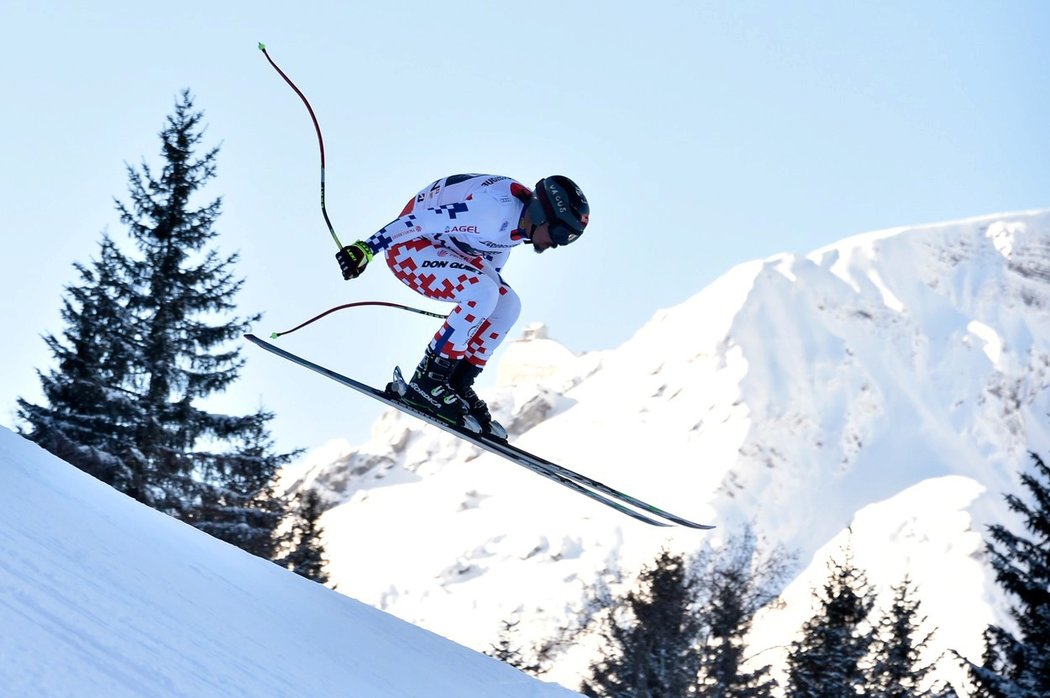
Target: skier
<point>450,243</point>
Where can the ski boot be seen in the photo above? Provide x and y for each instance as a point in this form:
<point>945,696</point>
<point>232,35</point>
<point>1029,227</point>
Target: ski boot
<point>430,391</point>
<point>462,382</point>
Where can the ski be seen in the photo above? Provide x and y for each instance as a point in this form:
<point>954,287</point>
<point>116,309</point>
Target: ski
<point>493,446</point>
<point>601,487</point>
<point>589,487</point>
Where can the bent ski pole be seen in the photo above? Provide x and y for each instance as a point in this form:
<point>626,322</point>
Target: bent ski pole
<point>320,139</point>
<point>275,335</point>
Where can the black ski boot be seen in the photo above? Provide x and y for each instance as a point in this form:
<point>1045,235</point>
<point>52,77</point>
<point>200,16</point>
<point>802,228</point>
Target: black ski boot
<point>463,383</point>
<point>430,391</point>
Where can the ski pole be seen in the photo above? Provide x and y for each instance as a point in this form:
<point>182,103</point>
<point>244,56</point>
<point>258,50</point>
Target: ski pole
<point>320,140</point>
<point>275,335</point>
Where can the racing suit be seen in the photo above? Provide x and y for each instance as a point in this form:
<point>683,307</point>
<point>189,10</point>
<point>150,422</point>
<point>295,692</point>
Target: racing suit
<point>450,243</point>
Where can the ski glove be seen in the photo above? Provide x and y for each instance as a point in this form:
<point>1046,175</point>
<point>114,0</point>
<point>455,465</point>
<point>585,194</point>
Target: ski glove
<point>353,259</point>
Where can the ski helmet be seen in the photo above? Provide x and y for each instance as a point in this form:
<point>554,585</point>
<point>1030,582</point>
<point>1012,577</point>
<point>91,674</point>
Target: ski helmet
<point>558,201</point>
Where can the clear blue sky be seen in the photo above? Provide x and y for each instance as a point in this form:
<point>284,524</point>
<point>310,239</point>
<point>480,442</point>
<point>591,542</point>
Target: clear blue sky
<point>705,134</point>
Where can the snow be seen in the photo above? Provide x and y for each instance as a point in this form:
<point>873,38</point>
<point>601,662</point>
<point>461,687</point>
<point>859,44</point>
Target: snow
<point>101,596</point>
<point>892,382</point>
<point>992,344</point>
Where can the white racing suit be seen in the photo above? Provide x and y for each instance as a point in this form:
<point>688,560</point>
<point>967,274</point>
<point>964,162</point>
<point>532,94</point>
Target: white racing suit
<point>450,243</point>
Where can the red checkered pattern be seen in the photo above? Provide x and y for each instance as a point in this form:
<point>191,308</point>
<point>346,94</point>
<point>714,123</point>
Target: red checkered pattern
<point>443,284</point>
<point>486,308</point>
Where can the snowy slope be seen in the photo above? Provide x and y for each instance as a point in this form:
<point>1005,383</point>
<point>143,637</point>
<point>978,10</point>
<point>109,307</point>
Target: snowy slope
<point>892,383</point>
<point>100,596</point>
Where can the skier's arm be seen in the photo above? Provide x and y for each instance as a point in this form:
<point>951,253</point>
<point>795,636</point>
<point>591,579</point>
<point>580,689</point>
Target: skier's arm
<point>429,221</point>
<point>426,221</point>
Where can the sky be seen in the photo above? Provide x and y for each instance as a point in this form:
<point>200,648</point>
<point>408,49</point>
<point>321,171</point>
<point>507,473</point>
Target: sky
<point>705,134</point>
<point>103,596</point>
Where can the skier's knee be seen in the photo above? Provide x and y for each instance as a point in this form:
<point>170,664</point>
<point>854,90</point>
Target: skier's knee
<point>509,307</point>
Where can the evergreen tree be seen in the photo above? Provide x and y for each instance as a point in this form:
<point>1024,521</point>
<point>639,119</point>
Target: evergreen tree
<point>896,669</point>
<point>651,637</point>
<point>180,317</point>
<point>509,651</point>
<point>734,583</point>
<point>306,554</point>
<point>1019,666</point>
<point>148,337</point>
<point>88,410</point>
<point>827,659</point>
<point>593,610</point>
<point>240,505</point>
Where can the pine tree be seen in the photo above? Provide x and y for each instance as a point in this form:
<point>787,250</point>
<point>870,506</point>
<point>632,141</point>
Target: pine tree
<point>827,659</point>
<point>734,584</point>
<point>88,411</point>
<point>896,669</point>
<point>148,338</point>
<point>509,651</point>
<point>180,318</point>
<point>594,609</point>
<point>651,637</point>
<point>306,554</point>
<point>1019,666</point>
<point>240,505</point>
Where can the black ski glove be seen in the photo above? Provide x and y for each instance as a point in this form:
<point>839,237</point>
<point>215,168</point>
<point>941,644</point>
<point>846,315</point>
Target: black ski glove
<point>353,259</point>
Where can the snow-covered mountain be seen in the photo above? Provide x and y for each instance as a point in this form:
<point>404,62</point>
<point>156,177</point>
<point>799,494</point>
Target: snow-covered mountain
<point>890,384</point>
<point>101,596</point>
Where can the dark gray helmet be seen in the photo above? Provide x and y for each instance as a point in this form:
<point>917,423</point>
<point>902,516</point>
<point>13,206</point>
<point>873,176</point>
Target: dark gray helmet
<point>558,201</point>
